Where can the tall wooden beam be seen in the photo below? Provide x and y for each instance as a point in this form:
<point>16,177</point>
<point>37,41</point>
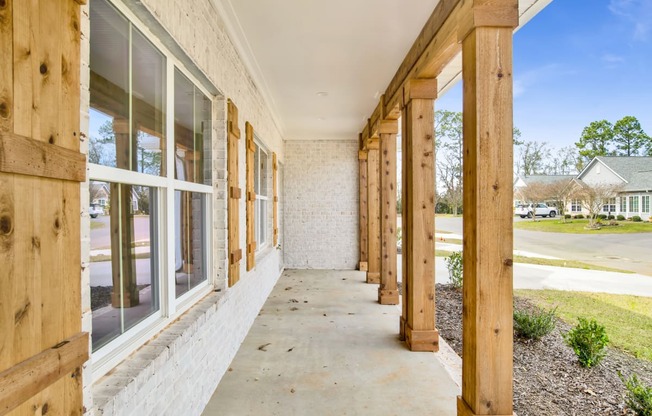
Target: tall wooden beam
<point>419,233</point>
<point>388,290</point>
<point>373,211</point>
<point>233,136</point>
<point>487,321</point>
<point>364,241</point>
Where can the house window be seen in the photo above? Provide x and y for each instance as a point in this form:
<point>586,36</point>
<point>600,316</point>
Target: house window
<point>645,203</point>
<point>610,206</point>
<point>623,204</point>
<point>576,205</point>
<point>150,165</point>
<point>633,203</point>
<point>260,188</point>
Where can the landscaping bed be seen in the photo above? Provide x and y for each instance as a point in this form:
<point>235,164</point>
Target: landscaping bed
<point>548,381</point>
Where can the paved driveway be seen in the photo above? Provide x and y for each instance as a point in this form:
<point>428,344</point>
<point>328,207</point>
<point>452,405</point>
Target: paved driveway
<point>622,251</point>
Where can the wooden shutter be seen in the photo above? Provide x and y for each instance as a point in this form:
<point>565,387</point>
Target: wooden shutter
<point>233,136</point>
<point>275,193</point>
<point>42,348</point>
<point>251,198</point>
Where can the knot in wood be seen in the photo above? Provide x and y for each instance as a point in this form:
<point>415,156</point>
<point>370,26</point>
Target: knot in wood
<point>4,112</point>
<point>508,262</point>
<point>51,139</point>
<point>6,225</point>
<point>43,69</point>
<point>3,3</point>
<point>500,74</point>
<point>57,224</point>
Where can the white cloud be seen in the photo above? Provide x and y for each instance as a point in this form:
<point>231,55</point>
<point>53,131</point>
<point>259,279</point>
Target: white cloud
<point>638,13</point>
<point>612,59</point>
<point>524,80</point>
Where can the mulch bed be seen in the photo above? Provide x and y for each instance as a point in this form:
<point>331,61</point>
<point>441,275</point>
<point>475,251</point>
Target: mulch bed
<point>548,381</point>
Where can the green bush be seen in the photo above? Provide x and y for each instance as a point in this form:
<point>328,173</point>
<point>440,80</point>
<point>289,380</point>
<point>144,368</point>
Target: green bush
<point>578,216</point>
<point>620,217</point>
<point>611,217</point>
<point>636,218</point>
<point>567,216</point>
<point>534,325</point>
<point>455,268</point>
<point>589,340</point>
<point>638,397</point>
<point>602,216</point>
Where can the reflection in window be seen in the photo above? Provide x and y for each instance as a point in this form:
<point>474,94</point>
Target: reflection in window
<point>127,95</point>
<point>192,132</point>
<point>190,240</point>
<point>260,188</point>
<point>123,261</point>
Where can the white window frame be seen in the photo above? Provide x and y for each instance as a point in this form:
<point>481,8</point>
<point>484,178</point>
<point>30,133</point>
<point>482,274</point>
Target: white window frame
<point>261,219</point>
<point>115,351</point>
<point>633,204</point>
<point>623,204</point>
<point>645,204</point>
<point>576,205</point>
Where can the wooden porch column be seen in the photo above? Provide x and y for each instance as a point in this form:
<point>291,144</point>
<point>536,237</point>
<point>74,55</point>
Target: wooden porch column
<point>373,210</point>
<point>364,242</point>
<point>388,290</point>
<point>487,322</point>
<point>418,320</point>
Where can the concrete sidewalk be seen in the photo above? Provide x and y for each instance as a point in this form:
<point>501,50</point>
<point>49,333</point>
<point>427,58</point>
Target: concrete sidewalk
<point>322,345</point>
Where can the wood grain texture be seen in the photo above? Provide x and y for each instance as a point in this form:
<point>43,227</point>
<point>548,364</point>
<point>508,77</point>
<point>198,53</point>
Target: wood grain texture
<point>373,216</point>
<point>23,155</point>
<point>488,193</point>
<point>251,198</point>
<point>233,134</point>
<point>405,216</point>
<point>24,380</point>
<point>364,238</point>
<point>388,290</point>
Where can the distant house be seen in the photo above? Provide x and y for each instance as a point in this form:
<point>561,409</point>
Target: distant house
<point>633,174</point>
<point>522,181</point>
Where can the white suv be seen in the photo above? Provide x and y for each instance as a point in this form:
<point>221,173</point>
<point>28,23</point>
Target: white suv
<point>541,210</point>
<point>95,210</point>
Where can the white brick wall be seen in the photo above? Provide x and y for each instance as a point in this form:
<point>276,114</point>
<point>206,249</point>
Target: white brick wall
<point>321,204</point>
<point>177,371</point>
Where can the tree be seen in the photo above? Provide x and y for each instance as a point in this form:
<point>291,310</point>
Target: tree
<point>448,131</point>
<point>532,158</point>
<point>629,138</point>
<point>594,196</point>
<point>564,162</point>
<point>535,193</point>
<point>561,192</point>
<point>595,141</point>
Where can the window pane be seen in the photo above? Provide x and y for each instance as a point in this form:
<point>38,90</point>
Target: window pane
<point>192,132</point>
<point>123,262</point>
<point>263,173</point>
<point>257,170</point>
<point>190,240</point>
<point>148,106</point>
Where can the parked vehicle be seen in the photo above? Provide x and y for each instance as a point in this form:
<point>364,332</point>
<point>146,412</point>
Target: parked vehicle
<point>95,210</point>
<point>542,210</point>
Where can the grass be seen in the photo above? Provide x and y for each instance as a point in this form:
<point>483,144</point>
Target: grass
<point>628,319</point>
<point>577,227</point>
<point>549,262</point>
<point>106,257</point>
<point>450,240</point>
<point>97,224</point>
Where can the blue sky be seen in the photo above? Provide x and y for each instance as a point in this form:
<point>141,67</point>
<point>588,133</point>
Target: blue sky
<point>579,61</point>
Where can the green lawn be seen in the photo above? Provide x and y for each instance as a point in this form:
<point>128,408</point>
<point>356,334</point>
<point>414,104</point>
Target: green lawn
<point>577,227</point>
<point>97,224</point>
<point>628,319</point>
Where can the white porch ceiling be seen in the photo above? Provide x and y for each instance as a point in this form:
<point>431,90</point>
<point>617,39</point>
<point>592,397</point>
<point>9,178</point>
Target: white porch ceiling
<point>322,65</point>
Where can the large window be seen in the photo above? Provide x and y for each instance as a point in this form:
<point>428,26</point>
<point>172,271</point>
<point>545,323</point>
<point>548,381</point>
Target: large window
<point>633,203</point>
<point>576,205</point>
<point>645,203</point>
<point>150,172</point>
<point>609,206</point>
<point>623,204</point>
<point>260,188</point>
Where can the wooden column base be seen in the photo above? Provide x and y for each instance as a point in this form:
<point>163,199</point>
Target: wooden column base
<point>363,266</point>
<point>373,277</point>
<point>427,340</point>
<point>401,329</point>
<point>388,296</point>
<point>463,409</point>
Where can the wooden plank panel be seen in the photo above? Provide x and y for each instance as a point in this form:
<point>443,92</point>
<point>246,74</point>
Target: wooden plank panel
<point>251,198</point>
<point>488,147</point>
<point>31,376</point>
<point>373,215</point>
<point>275,196</point>
<point>233,135</point>
<point>19,154</point>
<point>388,290</point>
<point>405,216</point>
<point>364,241</point>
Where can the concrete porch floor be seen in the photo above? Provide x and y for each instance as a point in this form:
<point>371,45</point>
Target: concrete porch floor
<point>322,345</point>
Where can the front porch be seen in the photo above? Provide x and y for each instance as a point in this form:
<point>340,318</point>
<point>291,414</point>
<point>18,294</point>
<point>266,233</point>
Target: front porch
<point>323,345</point>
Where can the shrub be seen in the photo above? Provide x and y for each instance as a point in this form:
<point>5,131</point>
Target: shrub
<point>567,216</point>
<point>578,216</point>
<point>620,218</point>
<point>602,216</point>
<point>455,268</point>
<point>589,340</point>
<point>638,397</point>
<point>636,218</point>
<point>611,217</point>
<point>534,325</point>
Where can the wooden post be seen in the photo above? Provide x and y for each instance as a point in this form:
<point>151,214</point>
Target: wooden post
<point>233,136</point>
<point>488,154</point>
<point>373,211</point>
<point>419,292</point>
<point>388,290</point>
<point>251,198</point>
<point>364,240</point>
